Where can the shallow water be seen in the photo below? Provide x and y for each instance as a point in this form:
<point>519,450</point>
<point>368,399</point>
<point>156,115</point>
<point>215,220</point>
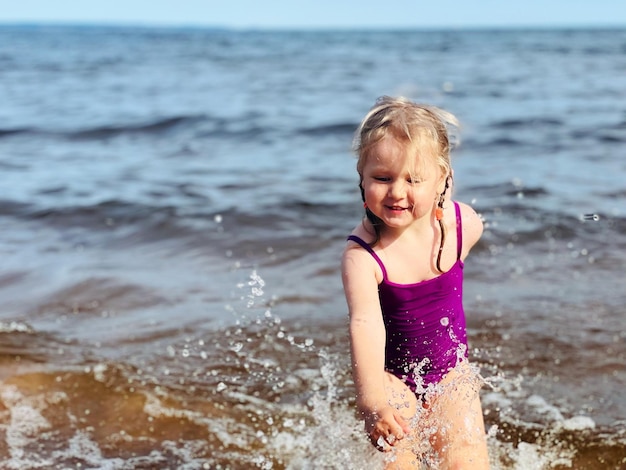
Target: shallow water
<point>175,203</point>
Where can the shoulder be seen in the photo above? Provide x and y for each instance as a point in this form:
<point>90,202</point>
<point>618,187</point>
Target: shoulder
<point>472,224</point>
<point>356,261</point>
<point>365,233</point>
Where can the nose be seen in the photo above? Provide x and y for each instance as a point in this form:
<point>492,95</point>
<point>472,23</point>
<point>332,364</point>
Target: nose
<point>396,189</point>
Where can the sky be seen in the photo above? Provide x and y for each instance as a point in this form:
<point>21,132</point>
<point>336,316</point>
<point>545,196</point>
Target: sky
<point>320,14</point>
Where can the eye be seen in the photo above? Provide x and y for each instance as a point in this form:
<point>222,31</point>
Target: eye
<point>414,180</point>
<point>382,179</point>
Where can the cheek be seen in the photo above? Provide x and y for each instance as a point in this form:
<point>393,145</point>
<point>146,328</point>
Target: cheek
<point>371,192</point>
<point>423,195</point>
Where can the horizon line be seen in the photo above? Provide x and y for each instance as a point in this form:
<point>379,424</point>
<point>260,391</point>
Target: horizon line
<point>307,28</point>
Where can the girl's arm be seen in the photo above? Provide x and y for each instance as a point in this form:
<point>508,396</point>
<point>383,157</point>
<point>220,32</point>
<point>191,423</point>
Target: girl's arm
<point>367,342</point>
<point>472,228</point>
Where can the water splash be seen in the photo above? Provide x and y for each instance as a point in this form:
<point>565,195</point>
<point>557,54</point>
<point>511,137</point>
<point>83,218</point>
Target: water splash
<point>291,401</point>
<point>256,284</point>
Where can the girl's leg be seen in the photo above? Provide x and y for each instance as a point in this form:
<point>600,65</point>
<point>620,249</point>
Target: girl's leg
<point>455,415</point>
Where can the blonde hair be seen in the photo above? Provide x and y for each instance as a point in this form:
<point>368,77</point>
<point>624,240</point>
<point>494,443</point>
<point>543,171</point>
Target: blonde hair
<point>419,127</point>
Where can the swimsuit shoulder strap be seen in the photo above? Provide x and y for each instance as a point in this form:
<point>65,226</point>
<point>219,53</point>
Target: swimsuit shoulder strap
<point>369,249</point>
<point>459,231</point>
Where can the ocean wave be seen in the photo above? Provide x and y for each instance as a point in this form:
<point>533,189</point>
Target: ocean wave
<point>476,144</point>
<point>93,296</point>
<point>530,123</point>
<point>151,127</point>
<point>611,138</point>
<point>603,135</point>
<point>13,208</point>
<point>154,127</point>
<point>512,189</point>
<point>15,131</point>
<point>102,214</point>
<point>512,213</point>
<point>22,345</point>
<point>199,126</point>
<point>341,129</point>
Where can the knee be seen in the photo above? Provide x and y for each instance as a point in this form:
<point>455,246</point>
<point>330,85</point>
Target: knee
<point>468,458</point>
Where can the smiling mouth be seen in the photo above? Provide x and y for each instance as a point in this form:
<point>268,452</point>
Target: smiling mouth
<point>397,208</point>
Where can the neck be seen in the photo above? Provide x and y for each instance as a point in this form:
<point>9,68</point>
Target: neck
<point>422,229</point>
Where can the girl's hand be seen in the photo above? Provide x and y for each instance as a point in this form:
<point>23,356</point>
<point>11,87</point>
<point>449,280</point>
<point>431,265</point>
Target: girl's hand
<point>385,428</point>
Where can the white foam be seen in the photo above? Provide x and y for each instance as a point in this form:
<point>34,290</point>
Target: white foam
<point>578,423</point>
<point>25,426</point>
<point>15,327</point>
<point>98,372</point>
<point>80,446</point>
<point>547,411</point>
<point>529,456</point>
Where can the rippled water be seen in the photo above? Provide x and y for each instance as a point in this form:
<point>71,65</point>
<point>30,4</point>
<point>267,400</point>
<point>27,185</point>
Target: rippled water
<point>174,204</point>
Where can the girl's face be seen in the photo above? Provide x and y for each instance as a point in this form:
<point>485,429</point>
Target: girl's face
<point>400,189</point>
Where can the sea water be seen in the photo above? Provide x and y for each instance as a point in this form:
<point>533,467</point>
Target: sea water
<point>174,206</point>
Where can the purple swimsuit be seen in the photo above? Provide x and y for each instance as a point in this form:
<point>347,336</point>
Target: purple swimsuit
<point>425,322</point>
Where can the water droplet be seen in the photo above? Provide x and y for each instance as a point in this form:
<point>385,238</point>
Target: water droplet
<point>445,321</point>
<point>218,218</point>
<point>221,387</point>
<point>185,352</point>
<point>308,342</point>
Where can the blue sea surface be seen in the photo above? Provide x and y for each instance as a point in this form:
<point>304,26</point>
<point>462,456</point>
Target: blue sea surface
<point>175,202</point>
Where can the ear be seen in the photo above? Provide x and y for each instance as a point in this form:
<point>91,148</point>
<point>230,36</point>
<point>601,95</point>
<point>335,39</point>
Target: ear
<point>444,178</point>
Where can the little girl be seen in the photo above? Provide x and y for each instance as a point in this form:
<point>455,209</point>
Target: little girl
<point>403,277</point>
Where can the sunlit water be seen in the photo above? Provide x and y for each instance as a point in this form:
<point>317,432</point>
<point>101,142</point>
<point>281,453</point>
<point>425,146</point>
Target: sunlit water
<point>175,203</point>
